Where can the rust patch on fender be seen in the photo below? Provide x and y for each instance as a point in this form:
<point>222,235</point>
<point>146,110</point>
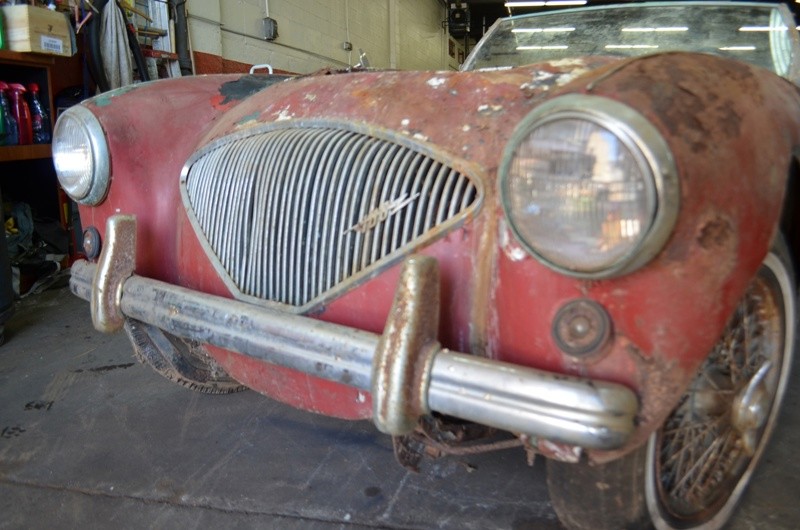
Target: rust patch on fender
<point>694,96</point>
<point>662,382</point>
<point>716,233</point>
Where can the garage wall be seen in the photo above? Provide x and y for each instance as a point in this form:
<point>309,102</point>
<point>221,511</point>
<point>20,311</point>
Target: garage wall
<point>423,42</point>
<point>402,34</point>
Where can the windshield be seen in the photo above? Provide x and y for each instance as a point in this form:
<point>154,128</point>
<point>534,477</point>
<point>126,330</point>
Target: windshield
<point>763,34</point>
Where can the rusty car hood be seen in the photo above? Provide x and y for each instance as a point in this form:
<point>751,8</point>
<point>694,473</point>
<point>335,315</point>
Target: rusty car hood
<point>456,113</point>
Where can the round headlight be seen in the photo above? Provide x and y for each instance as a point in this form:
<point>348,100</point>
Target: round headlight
<point>80,156</point>
<point>589,187</point>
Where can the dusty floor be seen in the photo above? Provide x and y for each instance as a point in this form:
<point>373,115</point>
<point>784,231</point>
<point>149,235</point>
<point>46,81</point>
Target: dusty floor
<point>91,439</point>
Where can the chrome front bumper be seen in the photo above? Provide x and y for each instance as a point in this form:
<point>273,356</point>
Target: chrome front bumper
<point>406,370</point>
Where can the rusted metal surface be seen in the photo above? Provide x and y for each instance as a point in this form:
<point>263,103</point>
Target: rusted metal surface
<point>720,118</point>
<point>556,451</point>
<point>404,356</point>
<point>116,264</point>
<point>436,437</point>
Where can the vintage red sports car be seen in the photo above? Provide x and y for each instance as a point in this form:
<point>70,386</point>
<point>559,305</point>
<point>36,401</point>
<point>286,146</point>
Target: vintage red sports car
<point>584,239</point>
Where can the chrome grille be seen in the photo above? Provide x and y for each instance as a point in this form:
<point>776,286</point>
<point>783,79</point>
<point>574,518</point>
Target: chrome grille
<point>293,213</point>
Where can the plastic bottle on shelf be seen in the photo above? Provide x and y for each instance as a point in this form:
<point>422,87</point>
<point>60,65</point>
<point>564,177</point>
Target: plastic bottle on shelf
<point>3,122</point>
<point>22,113</point>
<point>2,32</point>
<point>10,123</point>
<point>40,121</point>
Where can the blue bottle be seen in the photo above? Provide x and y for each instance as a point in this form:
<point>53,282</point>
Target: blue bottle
<point>3,125</point>
<point>9,123</point>
<point>40,122</point>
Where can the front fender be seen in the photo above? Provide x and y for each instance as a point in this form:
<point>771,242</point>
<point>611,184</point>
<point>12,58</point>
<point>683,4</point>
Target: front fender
<point>731,128</point>
<point>151,129</point>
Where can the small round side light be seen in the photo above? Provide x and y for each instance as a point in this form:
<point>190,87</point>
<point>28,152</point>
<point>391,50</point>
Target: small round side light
<point>582,329</point>
<point>91,243</point>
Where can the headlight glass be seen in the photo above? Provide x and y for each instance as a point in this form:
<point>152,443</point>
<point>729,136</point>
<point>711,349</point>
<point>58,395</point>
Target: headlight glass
<point>80,156</point>
<point>589,187</point>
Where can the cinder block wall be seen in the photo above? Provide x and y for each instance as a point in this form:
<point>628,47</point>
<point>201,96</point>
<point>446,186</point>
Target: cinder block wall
<point>401,34</point>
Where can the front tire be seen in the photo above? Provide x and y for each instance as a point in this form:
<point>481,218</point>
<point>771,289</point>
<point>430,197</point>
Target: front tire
<point>694,470</point>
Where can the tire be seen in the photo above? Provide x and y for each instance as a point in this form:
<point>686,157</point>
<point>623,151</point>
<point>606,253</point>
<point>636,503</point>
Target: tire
<point>184,362</point>
<point>694,470</point>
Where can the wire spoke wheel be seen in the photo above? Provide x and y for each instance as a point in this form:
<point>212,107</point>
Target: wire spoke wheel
<point>697,465</point>
<point>703,457</point>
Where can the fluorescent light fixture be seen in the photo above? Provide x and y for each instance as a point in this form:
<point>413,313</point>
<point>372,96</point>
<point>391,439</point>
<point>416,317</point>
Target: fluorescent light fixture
<point>548,3</point>
<point>668,29</point>
<point>763,28</point>
<point>542,30</point>
<point>631,46</point>
<point>553,47</point>
<point>738,48</point>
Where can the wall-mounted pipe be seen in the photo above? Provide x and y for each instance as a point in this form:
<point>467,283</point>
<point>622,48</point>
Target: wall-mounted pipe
<point>182,36</point>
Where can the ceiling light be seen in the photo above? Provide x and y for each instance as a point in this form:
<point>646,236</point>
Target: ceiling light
<point>542,30</point>
<point>667,29</point>
<point>763,28</point>
<point>631,46</point>
<point>553,47</point>
<point>548,3</point>
<point>738,48</point>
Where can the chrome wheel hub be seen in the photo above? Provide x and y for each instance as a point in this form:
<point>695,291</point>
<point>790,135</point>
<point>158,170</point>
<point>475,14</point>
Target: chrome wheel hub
<point>751,409</point>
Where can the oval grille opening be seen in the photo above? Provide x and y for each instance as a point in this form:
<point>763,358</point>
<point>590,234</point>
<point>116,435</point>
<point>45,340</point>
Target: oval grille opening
<point>291,214</point>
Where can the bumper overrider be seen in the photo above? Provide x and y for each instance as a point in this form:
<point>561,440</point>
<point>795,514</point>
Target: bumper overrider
<point>405,369</point>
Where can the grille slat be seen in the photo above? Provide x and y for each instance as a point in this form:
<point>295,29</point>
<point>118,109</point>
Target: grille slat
<point>290,214</point>
<point>330,235</point>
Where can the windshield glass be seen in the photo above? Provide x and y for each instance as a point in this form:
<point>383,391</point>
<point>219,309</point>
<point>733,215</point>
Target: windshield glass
<point>763,34</point>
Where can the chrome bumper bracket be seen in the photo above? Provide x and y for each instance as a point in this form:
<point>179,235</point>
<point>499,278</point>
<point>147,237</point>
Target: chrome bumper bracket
<point>404,356</point>
<point>116,264</point>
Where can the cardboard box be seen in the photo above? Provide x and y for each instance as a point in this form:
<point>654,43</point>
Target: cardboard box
<point>39,30</point>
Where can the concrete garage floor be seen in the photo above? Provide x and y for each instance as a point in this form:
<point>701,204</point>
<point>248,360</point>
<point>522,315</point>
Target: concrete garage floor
<point>91,439</point>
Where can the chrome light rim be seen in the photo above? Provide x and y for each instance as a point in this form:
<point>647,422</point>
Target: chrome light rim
<point>643,140</point>
<point>101,174</point>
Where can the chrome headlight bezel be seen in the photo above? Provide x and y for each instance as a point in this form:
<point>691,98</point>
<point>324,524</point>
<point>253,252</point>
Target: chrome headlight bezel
<point>97,148</point>
<point>644,141</point>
